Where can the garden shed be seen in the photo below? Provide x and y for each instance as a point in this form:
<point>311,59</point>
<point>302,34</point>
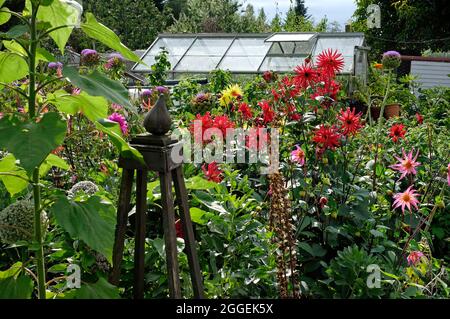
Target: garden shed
<point>199,54</point>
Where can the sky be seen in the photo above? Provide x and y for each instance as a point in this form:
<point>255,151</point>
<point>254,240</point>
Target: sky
<point>335,10</point>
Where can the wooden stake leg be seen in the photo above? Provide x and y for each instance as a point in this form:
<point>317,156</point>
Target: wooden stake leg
<point>182,202</point>
<point>121,226</point>
<point>170,235</point>
<point>139,249</point>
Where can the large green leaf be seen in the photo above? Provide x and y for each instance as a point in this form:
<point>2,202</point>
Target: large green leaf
<point>97,84</point>
<point>14,284</point>
<point>102,289</point>
<point>16,288</point>
<point>198,182</point>
<point>93,107</point>
<point>124,148</point>
<point>199,216</point>
<point>12,67</point>
<point>58,14</point>
<point>91,221</point>
<point>99,32</point>
<point>32,142</point>
<point>4,16</point>
<point>53,161</point>
<point>13,184</point>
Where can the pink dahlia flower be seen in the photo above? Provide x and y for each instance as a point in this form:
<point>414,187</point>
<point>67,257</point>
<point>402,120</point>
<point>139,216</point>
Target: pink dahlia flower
<point>407,164</point>
<point>406,199</point>
<point>414,258</point>
<point>298,156</point>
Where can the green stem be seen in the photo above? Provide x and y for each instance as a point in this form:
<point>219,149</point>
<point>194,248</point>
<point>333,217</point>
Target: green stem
<point>32,63</point>
<point>383,105</point>
<point>40,263</point>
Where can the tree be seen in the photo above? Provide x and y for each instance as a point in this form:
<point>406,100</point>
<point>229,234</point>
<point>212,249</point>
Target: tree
<point>334,27</point>
<point>137,22</point>
<point>209,16</point>
<point>406,26</point>
<point>261,21</point>
<point>300,8</point>
<point>176,6</point>
<point>276,25</point>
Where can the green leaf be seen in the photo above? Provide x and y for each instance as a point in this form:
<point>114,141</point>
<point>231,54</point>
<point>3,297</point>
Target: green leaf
<point>199,183</point>
<point>93,107</point>
<point>99,32</point>
<point>4,16</point>
<point>32,142</point>
<point>306,247</point>
<point>199,216</point>
<point>16,31</point>
<point>14,185</point>
<point>97,84</point>
<point>12,67</point>
<point>102,289</point>
<point>92,221</point>
<point>15,47</point>
<point>58,14</point>
<point>124,148</point>
<point>11,272</point>
<point>50,161</point>
<point>43,55</point>
<point>16,288</point>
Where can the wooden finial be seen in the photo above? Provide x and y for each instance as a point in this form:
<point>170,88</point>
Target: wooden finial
<point>158,121</point>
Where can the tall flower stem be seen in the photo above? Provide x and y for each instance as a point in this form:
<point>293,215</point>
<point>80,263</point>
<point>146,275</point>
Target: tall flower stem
<point>40,263</point>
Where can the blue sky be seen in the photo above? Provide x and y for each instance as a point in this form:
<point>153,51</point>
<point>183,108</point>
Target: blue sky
<point>339,10</point>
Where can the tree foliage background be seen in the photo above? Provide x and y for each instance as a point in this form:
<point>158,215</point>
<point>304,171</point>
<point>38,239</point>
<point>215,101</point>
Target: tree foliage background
<point>408,26</point>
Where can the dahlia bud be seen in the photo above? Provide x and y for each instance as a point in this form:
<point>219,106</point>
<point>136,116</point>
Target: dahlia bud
<point>323,201</point>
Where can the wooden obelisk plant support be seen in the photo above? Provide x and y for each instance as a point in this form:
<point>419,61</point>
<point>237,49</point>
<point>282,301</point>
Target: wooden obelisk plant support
<point>156,148</point>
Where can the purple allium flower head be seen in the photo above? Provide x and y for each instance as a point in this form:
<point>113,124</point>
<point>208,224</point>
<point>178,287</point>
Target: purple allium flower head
<point>200,96</point>
<point>87,52</point>
<point>391,54</point>
<point>116,117</point>
<point>162,89</point>
<point>147,93</point>
<point>115,60</point>
<point>116,56</point>
<point>55,65</point>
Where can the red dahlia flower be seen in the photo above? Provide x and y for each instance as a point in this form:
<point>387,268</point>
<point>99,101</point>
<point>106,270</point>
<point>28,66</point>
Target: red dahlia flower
<point>222,122</point>
<point>350,122</point>
<point>305,75</point>
<point>397,132</point>
<point>327,137</point>
<point>268,112</point>
<point>419,118</point>
<point>331,61</point>
<point>212,172</point>
<point>245,110</point>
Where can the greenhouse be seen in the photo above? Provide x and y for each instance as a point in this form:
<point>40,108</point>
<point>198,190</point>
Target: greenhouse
<point>193,54</point>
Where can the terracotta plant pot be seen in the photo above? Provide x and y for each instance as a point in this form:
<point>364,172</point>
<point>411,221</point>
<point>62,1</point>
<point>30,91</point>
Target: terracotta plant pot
<point>391,110</point>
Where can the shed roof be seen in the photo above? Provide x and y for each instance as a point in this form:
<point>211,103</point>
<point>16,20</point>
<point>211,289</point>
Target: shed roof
<point>247,53</point>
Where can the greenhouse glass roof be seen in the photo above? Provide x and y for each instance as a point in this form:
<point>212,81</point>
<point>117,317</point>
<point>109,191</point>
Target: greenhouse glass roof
<point>247,53</point>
